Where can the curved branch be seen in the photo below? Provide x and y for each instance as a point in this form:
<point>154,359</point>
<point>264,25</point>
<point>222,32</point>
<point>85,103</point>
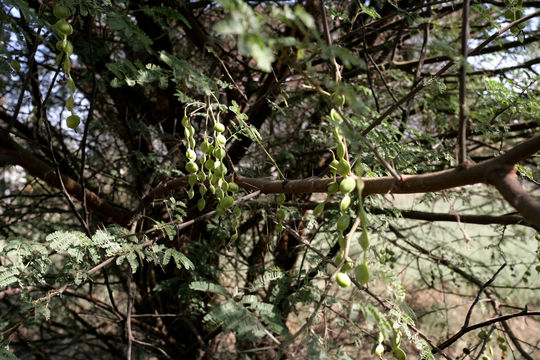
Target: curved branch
<point>47,173</point>
<point>488,171</point>
<point>508,185</point>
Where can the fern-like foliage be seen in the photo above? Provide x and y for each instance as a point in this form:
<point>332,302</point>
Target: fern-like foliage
<point>67,256</point>
<point>245,315</point>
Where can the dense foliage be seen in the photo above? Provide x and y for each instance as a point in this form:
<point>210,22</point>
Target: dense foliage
<point>269,180</point>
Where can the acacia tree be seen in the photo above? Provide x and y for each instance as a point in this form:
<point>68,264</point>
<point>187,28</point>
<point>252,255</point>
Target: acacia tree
<point>211,179</point>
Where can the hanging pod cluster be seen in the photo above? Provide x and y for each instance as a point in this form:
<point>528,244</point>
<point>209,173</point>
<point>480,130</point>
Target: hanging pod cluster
<point>64,29</point>
<point>341,166</point>
<point>210,175</point>
<point>361,271</point>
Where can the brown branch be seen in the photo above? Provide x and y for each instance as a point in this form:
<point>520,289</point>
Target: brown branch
<point>488,171</point>
<point>508,185</point>
<point>482,288</point>
<point>445,68</point>
<point>464,218</point>
<point>461,144</point>
<point>470,278</point>
<point>404,65</point>
<point>503,70</point>
<point>47,173</point>
<point>502,318</point>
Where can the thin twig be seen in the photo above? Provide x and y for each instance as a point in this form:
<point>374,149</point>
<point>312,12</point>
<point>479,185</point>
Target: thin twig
<point>86,127</point>
<point>469,313</point>
<point>31,59</point>
<point>462,132</point>
<point>128,318</point>
<point>445,68</point>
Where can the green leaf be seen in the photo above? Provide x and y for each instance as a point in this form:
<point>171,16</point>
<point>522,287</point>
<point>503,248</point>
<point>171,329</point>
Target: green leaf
<point>370,11</point>
<point>205,286</point>
<point>6,355</point>
<point>304,16</point>
<point>256,47</point>
<point>8,276</point>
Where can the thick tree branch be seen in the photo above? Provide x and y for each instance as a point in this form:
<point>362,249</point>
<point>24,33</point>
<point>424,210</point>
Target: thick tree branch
<point>508,185</point>
<point>47,173</point>
<point>405,65</point>
<point>489,171</point>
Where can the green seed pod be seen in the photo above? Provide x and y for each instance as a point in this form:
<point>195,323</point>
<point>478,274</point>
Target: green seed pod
<point>209,164</point>
<point>60,44</point>
<point>279,228</point>
<point>63,27</point>
<point>218,172</point>
<point>333,165</point>
<point>201,204</point>
<point>280,214</point>
<point>399,354</point>
<point>364,240</point>
<point>201,176</point>
<point>219,127</point>
<point>334,115</point>
<point>379,350</point>
<point>343,280</point>
<point>343,168</point>
<point>219,153</point>
<point>191,167</point>
<point>206,147</point>
<point>340,150</point>
<point>191,155</point>
<point>66,65</point>
<point>221,140</point>
<point>223,169</point>
<point>191,193</point>
<point>233,187</point>
<point>212,188</point>
<point>344,204</point>
<point>220,210</point>
<point>333,187</point>
<point>15,65</point>
<point>193,179</point>
<point>73,121</point>
<point>185,121</point>
<point>361,272</point>
<point>234,236</point>
<point>318,209</point>
<point>359,169</point>
<point>338,98</point>
<point>363,217</point>
<point>202,190</point>
<point>227,202</point>
<point>280,199</point>
<point>220,194</point>
<point>347,185</point>
<point>343,223</point>
<point>341,241</point>
<point>348,265</point>
<point>61,12</point>
<point>237,212</point>
<point>360,186</point>
<point>225,186</point>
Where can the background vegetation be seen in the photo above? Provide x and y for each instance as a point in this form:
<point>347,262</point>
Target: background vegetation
<point>129,128</point>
